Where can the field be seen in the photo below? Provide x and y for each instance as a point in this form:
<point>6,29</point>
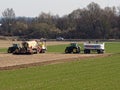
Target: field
<point>55,54</point>
<point>88,73</point>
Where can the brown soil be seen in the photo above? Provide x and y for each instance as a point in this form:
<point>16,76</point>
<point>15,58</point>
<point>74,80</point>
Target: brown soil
<point>9,61</point>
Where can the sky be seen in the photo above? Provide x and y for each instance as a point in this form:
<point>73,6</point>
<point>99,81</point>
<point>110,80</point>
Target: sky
<point>32,8</point>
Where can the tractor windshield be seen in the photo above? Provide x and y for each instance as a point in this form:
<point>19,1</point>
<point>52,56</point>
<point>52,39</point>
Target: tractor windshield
<point>15,45</point>
<point>74,44</point>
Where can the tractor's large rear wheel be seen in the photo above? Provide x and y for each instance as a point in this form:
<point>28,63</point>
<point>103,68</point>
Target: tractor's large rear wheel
<point>16,51</point>
<point>76,50</point>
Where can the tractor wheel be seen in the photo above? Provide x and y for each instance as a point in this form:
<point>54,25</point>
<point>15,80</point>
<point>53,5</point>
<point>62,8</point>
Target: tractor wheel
<point>9,51</point>
<point>74,50</point>
<point>66,50</point>
<point>15,51</point>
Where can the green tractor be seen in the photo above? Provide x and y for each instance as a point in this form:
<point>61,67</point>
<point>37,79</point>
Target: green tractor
<point>13,48</point>
<point>73,48</point>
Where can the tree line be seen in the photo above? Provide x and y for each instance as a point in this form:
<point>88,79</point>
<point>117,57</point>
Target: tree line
<point>91,22</point>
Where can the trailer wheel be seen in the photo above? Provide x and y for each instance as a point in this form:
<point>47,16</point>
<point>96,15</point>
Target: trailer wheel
<point>100,51</point>
<point>43,51</point>
<point>35,51</point>
<point>87,51</point>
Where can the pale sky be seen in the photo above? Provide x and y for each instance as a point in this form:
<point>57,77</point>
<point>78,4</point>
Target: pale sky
<point>32,8</point>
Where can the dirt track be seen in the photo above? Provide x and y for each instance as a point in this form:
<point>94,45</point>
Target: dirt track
<point>9,61</point>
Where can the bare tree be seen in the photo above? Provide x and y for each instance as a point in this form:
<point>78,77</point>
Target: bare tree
<point>8,19</point>
<point>118,10</point>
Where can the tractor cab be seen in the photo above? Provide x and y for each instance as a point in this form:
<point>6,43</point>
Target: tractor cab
<point>73,44</point>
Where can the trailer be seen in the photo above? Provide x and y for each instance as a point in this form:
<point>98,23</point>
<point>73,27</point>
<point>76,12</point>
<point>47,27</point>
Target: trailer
<point>97,47</point>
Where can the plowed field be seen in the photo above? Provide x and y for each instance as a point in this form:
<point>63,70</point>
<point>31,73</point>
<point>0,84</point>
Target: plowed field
<point>9,61</point>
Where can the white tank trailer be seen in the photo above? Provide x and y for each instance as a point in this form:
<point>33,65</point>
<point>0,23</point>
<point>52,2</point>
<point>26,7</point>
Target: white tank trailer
<point>97,46</point>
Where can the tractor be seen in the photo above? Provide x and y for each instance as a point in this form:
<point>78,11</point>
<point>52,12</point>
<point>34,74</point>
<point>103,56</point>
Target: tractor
<point>13,48</point>
<point>73,48</point>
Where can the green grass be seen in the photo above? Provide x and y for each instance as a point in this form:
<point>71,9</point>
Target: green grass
<point>100,73</point>
<point>91,74</point>
<point>112,47</point>
<point>56,48</point>
<point>3,49</point>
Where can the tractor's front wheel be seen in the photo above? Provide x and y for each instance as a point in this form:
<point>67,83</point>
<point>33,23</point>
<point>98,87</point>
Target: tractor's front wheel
<point>66,50</point>
<point>9,51</point>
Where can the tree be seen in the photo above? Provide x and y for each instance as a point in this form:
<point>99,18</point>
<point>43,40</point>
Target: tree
<point>87,25</point>
<point>8,20</point>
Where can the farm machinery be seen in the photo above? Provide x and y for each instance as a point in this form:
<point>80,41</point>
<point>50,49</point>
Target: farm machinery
<point>73,48</point>
<point>88,47</point>
<point>97,47</point>
<point>13,48</point>
<point>29,47</point>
